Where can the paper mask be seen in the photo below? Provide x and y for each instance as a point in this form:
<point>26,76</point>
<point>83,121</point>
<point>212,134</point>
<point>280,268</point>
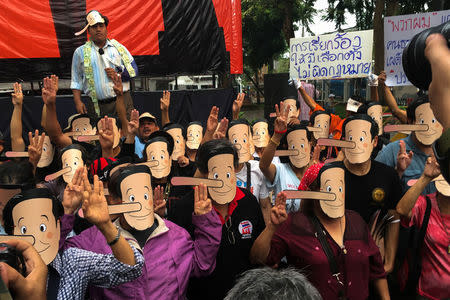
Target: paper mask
<point>6,193</point>
<point>179,143</point>
<point>48,152</point>
<point>239,137</point>
<point>82,126</point>
<point>115,132</point>
<point>137,187</point>
<point>424,115</point>
<point>221,167</point>
<point>194,136</point>
<point>358,131</point>
<point>376,113</point>
<point>72,159</point>
<point>298,140</point>
<point>157,151</point>
<point>261,134</point>
<point>322,121</point>
<point>293,111</point>
<point>333,181</point>
<point>176,181</point>
<point>35,217</point>
<point>296,194</point>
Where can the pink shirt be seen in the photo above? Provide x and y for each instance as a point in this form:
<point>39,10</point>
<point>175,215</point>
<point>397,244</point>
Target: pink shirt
<point>434,282</point>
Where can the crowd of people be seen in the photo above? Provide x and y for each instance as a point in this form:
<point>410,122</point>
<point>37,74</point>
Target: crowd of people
<point>116,207</point>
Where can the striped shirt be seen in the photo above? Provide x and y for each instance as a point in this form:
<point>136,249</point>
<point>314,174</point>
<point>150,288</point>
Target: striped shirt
<point>103,85</point>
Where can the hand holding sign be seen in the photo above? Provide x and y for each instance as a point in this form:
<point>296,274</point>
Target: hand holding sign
<point>202,204</point>
<point>278,214</point>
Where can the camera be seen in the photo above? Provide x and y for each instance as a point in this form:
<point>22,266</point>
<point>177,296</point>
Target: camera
<point>416,65</point>
<point>13,258</point>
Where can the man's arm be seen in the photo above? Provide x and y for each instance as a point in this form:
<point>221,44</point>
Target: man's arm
<point>261,247</point>
<point>390,100</point>
<point>406,204</point>
<point>53,128</point>
<point>17,143</point>
<point>76,83</point>
<point>280,127</point>
<point>265,209</point>
<point>308,100</point>
<point>237,104</point>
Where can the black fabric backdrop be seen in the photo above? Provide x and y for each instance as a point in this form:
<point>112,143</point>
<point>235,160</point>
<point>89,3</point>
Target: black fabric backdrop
<point>185,107</point>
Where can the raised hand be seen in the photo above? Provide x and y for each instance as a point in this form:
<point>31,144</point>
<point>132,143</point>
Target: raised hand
<point>106,133</point>
<point>35,147</point>
<point>213,119</point>
<point>237,104</point>
<point>432,168</point>
<point>159,204</point>
<point>221,131</point>
<point>315,158</point>
<point>403,159</point>
<point>17,96</point>
<point>278,214</point>
<point>49,90</point>
<point>95,207</point>
<point>202,204</point>
<point>164,103</point>
<point>117,81</point>
<point>73,193</point>
<point>282,113</point>
<point>110,73</point>
<point>133,124</point>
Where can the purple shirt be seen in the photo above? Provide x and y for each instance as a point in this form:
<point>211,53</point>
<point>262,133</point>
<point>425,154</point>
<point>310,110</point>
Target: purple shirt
<point>295,239</point>
<point>171,257</point>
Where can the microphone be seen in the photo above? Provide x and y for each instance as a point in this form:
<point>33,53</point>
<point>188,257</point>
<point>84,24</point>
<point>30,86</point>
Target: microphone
<point>101,52</point>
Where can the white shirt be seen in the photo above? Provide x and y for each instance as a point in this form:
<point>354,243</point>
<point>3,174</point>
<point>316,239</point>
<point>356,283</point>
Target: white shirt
<point>258,187</point>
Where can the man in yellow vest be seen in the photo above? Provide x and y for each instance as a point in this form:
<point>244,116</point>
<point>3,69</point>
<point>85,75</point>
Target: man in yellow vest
<point>93,66</point>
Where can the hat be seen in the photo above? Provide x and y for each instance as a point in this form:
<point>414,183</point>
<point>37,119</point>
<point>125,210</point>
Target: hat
<point>331,96</point>
<point>147,115</point>
<point>92,18</point>
<point>353,105</point>
<point>309,176</point>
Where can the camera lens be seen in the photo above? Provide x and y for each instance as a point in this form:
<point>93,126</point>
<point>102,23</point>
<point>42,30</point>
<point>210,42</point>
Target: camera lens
<point>416,65</point>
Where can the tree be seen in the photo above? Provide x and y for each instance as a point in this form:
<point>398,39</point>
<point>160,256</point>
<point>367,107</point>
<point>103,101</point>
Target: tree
<point>370,14</point>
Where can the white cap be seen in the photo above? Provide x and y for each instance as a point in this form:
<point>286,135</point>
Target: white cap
<point>147,115</point>
<point>331,96</point>
<point>92,18</point>
<point>353,105</point>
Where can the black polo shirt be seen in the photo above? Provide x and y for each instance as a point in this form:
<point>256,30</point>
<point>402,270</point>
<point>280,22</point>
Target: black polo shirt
<point>239,232</point>
<point>380,188</point>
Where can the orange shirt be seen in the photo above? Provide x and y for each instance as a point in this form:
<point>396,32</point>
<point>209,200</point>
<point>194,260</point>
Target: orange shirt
<point>335,123</point>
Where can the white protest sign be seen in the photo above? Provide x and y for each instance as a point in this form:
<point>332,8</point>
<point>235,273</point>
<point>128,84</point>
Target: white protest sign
<point>398,31</point>
<point>337,55</point>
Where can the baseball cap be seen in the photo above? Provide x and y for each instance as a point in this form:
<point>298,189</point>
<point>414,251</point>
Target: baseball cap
<point>147,115</point>
<point>92,18</point>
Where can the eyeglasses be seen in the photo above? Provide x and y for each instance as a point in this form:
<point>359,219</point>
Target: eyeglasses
<point>230,233</point>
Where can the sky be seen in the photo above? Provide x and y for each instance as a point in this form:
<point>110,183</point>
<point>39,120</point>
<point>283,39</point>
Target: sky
<point>319,26</point>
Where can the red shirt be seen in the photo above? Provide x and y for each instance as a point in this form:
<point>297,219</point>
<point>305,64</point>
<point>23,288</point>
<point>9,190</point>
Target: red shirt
<point>295,239</point>
<point>434,282</point>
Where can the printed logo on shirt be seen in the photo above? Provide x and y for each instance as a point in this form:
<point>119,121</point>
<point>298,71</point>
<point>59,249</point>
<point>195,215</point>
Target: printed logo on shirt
<point>243,185</point>
<point>378,195</point>
<point>245,229</point>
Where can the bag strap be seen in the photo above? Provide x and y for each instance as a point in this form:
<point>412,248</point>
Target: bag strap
<point>416,268</point>
<point>249,177</point>
<point>320,235</point>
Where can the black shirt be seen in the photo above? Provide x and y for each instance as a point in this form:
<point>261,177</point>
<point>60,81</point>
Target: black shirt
<point>380,188</point>
<point>238,234</point>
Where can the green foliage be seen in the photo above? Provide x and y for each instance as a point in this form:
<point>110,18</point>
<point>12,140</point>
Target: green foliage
<point>266,24</point>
